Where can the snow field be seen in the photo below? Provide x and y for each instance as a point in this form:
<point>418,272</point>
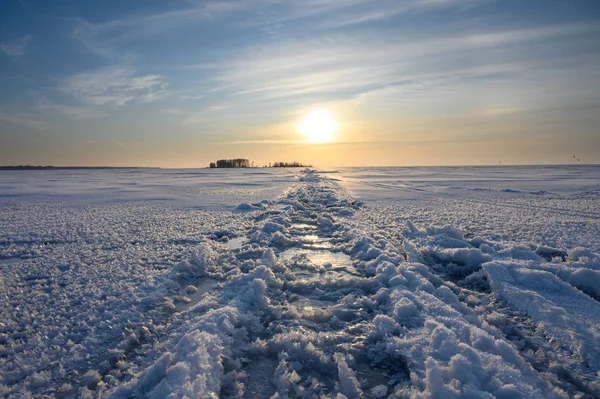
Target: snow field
<point>70,301</point>
<point>86,265</point>
<point>395,314</point>
<point>319,295</point>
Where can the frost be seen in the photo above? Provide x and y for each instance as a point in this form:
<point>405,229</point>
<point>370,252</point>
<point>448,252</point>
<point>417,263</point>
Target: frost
<point>91,378</point>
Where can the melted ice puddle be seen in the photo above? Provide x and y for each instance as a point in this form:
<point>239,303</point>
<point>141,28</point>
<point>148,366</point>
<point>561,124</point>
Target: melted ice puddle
<point>313,241</point>
<point>372,381</point>
<point>319,259</point>
<point>313,309</point>
<point>236,242</point>
<point>204,286</point>
<point>303,226</point>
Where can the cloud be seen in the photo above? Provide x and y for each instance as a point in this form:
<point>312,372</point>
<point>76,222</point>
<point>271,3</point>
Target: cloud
<point>25,120</point>
<point>269,16</point>
<point>210,114</point>
<point>104,37</point>
<point>348,65</point>
<point>326,14</point>
<point>114,87</point>
<point>154,95</point>
<point>191,97</point>
<point>16,48</point>
<point>171,111</point>
<point>74,112</point>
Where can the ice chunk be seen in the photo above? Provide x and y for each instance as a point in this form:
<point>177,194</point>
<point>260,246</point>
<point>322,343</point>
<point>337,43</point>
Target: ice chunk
<point>379,391</point>
<point>349,385</point>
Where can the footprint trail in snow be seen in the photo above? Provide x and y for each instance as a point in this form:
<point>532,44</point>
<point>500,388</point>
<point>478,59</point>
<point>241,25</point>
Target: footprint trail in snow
<point>315,302</point>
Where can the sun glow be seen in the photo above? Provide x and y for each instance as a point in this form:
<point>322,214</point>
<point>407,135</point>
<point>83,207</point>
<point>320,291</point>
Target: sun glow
<point>318,126</point>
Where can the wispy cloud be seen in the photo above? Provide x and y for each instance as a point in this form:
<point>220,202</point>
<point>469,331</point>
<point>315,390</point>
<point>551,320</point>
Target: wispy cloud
<point>210,114</point>
<point>349,65</point>
<point>17,48</point>
<point>327,14</point>
<point>270,16</point>
<point>26,120</point>
<point>74,112</point>
<point>114,87</point>
<point>103,37</point>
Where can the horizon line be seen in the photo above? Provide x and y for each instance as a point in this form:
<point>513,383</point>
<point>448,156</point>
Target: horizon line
<point>42,167</point>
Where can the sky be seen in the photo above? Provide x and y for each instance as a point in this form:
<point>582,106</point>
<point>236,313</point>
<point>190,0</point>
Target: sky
<point>180,83</point>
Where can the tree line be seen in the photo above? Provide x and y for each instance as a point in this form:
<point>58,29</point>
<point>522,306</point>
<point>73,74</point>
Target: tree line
<point>245,163</point>
<point>231,163</point>
<point>290,165</point>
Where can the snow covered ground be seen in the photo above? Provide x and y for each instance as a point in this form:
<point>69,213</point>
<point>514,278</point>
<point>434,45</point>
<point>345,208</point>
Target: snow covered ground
<point>373,282</point>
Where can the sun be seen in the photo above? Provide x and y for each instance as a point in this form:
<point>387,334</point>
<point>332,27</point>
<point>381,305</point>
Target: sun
<point>318,126</point>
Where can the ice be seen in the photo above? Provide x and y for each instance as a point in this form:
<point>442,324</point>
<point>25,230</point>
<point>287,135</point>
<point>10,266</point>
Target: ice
<point>385,282</point>
<point>379,391</point>
<point>319,260</point>
<point>194,293</point>
<point>564,216</point>
<point>379,183</point>
<point>193,188</point>
<point>303,226</point>
<point>235,243</point>
<point>560,310</point>
<point>349,385</point>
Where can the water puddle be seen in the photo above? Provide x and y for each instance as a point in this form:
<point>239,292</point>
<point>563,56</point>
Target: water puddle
<point>203,287</point>
<point>315,310</point>
<point>312,241</point>
<point>236,242</point>
<point>306,262</point>
<point>324,309</point>
<point>312,238</point>
<point>372,381</point>
<point>303,226</point>
<point>317,245</point>
<point>307,272</point>
<point>315,314</point>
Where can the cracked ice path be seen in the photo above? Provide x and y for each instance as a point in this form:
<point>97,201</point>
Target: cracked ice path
<point>309,305</point>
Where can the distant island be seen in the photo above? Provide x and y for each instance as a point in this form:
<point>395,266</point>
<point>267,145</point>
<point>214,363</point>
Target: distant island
<point>289,165</point>
<point>49,167</point>
<point>245,163</point>
<point>231,163</point>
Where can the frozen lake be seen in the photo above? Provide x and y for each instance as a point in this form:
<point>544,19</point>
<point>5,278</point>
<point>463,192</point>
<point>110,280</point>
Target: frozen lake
<point>468,181</point>
<point>192,188</point>
<point>550,205</point>
<point>366,282</point>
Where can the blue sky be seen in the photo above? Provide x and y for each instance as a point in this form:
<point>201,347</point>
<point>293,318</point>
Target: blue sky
<point>414,82</point>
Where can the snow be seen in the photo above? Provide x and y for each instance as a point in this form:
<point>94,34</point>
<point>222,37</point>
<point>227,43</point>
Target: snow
<point>198,188</point>
<point>367,282</point>
<point>562,311</point>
